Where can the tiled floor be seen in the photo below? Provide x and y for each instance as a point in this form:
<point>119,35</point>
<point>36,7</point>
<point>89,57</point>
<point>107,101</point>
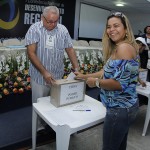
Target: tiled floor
<point>91,139</point>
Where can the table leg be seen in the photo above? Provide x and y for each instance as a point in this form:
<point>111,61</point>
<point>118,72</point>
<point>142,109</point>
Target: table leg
<point>62,137</point>
<point>147,119</point>
<point>34,129</point>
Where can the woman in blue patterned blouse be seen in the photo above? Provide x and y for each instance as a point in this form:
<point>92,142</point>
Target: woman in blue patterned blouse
<point>118,85</point>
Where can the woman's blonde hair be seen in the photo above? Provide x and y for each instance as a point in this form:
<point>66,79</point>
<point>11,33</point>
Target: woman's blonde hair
<point>108,44</point>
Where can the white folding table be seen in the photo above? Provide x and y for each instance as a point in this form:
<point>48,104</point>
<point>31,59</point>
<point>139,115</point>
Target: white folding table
<point>68,119</point>
<point>145,91</point>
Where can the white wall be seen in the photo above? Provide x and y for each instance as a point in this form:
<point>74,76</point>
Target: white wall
<point>91,26</point>
<point>77,15</point>
<point>92,21</point>
<point>138,21</point>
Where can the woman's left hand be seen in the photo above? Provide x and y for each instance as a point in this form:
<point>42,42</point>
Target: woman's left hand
<point>91,82</point>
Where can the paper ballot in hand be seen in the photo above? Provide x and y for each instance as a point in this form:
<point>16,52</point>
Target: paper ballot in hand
<point>71,76</point>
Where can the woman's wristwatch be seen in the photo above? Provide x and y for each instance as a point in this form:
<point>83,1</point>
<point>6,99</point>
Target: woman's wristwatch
<point>97,82</point>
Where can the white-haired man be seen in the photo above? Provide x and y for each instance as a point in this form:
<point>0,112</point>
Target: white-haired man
<point>46,41</point>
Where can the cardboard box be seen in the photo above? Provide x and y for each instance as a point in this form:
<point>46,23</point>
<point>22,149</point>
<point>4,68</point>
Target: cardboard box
<point>143,74</point>
<point>66,92</point>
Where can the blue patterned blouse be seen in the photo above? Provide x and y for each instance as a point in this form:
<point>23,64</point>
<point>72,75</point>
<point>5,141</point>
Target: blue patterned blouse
<point>126,72</point>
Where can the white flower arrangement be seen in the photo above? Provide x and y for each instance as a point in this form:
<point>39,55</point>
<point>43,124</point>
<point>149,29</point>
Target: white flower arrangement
<point>89,61</point>
<point>14,76</point>
<point>14,69</point>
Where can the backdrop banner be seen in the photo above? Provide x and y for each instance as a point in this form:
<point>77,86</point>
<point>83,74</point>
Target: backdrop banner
<point>16,16</point>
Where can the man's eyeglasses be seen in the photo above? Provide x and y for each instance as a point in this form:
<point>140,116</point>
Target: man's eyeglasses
<point>50,22</point>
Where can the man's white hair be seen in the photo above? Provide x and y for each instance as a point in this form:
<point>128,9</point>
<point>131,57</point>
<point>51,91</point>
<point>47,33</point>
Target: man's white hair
<point>52,9</point>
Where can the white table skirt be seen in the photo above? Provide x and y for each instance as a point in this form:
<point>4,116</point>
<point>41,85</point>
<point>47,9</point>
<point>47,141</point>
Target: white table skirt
<point>64,120</point>
<point>145,91</point>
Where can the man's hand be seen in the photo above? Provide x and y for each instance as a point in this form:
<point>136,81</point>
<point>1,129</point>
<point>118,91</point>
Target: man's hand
<point>49,78</point>
<point>79,75</point>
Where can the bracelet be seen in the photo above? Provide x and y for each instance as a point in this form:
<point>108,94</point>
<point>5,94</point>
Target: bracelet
<point>97,82</point>
<point>76,69</point>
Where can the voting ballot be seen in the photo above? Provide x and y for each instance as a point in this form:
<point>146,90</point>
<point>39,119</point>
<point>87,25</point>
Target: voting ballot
<point>66,92</point>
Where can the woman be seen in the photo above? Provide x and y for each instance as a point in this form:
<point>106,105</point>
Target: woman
<point>146,52</point>
<point>142,45</point>
<point>118,86</point>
